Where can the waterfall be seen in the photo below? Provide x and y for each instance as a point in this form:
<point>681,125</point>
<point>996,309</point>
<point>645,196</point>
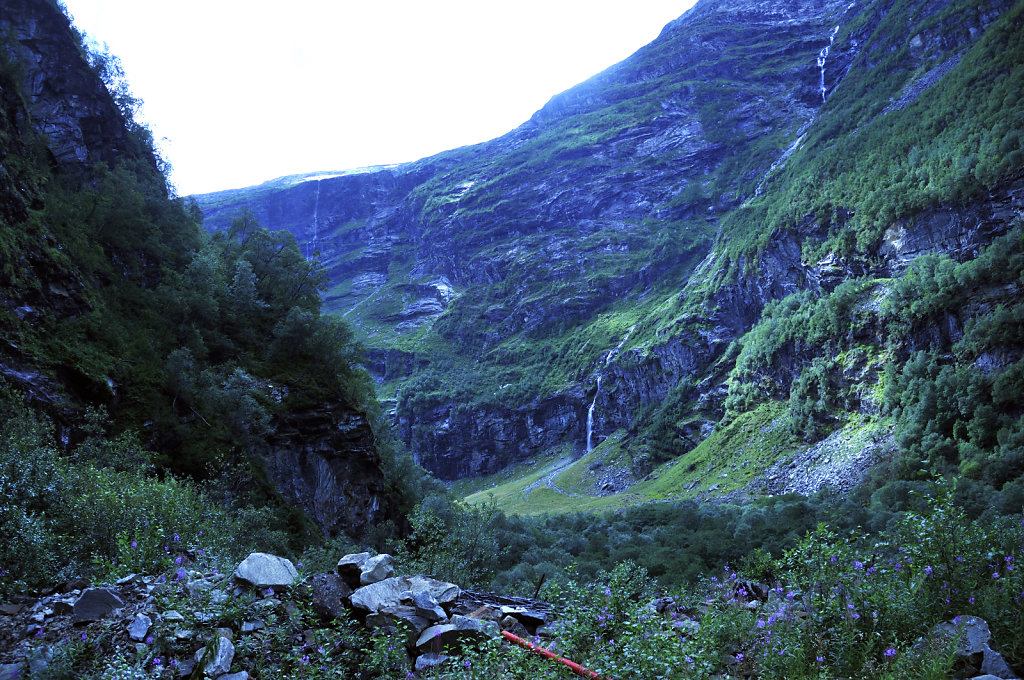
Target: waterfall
<point>590,411</point>
<point>316,226</point>
<point>823,56</point>
<point>590,417</point>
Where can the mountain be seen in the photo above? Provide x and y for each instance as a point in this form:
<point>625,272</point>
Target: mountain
<point>122,321</point>
<point>764,253</point>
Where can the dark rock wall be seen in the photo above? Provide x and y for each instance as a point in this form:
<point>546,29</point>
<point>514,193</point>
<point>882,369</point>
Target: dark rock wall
<point>67,101</point>
<point>325,461</point>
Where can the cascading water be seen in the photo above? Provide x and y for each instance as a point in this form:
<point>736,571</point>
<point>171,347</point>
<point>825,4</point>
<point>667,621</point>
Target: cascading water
<point>590,418</point>
<point>823,57</point>
<point>312,248</point>
<point>590,411</point>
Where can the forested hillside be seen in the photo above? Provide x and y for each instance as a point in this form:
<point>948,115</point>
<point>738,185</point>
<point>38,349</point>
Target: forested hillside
<point>141,356</point>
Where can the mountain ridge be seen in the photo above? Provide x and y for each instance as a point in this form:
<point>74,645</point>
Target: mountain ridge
<point>661,195</point>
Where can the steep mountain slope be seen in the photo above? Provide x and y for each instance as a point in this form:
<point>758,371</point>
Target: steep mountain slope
<point>119,314</point>
<point>596,271</point>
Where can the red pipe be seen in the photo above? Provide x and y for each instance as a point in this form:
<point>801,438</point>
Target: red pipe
<point>572,665</point>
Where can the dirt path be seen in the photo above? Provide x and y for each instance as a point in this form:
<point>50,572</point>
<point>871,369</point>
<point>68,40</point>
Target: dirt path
<point>548,480</point>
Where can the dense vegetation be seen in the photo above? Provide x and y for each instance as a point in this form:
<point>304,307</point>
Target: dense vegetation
<point>882,151</point>
<point>182,350</point>
<point>152,360</point>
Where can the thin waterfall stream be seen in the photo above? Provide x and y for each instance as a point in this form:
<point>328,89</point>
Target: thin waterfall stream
<point>597,392</point>
<point>823,57</point>
<point>590,417</point>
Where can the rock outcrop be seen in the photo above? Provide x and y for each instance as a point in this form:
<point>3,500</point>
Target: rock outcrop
<point>67,101</point>
<point>324,460</point>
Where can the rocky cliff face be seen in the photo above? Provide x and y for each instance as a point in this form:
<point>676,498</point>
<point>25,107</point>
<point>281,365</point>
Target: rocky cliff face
<point>592,262</point>
<point>66,100</point>
<point>324,460</point>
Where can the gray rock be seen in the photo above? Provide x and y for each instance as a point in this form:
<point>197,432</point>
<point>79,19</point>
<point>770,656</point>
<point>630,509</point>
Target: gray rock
<point>425,662</point>
<point>39,661</point>
<point>427,607</point>
<point>437,638</point>
<point>392,591</point>
<point>529,617</point>
<point>252,626</point>
<point>662,605</point>
<point>974,640</point>
<point>126,580</point>
<point>975,637</point>
<point>686,626</point>
<point>186,666</point>
<point>216,657</point>
<point>138,628</point>
<point>350,567</point>
<point>376,569</point>
<point>329,594</point>
<point>262,570</point>
<point>993,663</point>
<point>172,615</point>
<point>11,671</point>
<point>478,627</point>
<point>241,675</point>
<point>449,635</point>
<point>405,614</point>
<point>514,626</point>
<point>95,603</point>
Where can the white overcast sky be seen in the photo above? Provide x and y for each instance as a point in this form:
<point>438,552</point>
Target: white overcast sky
<point>241,91</point>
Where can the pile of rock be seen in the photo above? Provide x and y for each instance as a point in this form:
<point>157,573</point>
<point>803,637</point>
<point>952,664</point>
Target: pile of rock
<point>434,615</point>
<point>32,629</point>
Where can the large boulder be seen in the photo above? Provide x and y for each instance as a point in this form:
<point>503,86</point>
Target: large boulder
<point>329,594</point>
<point>972,634</point>
<point>403,590</point>
<point>376,569</point>
<point>95,603</point>
<point>262,570</point>
<point>452,635</point>
<point>350,568</point>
